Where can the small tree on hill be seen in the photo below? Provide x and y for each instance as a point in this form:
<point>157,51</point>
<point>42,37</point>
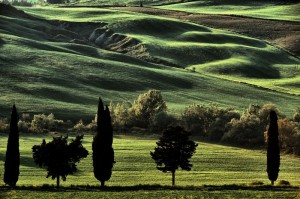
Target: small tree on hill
<point>174,149</point>
<point>103,153</point>
<point>12,159</point>
<point>273,152</point>
<point>59,157</point>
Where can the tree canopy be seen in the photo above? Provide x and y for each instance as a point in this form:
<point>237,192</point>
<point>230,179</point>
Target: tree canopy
<point>59,157</point>
<point>174,149</point>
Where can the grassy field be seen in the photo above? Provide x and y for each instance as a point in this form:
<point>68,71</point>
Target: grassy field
<point>44,74</point>
<point>218,171</point>
<point>269,9</point>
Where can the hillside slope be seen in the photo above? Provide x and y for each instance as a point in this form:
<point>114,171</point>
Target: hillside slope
<point>63,66</point>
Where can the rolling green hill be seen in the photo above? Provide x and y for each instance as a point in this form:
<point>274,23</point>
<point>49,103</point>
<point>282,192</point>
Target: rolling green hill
<point>267,9</point>
<point>63,66</point>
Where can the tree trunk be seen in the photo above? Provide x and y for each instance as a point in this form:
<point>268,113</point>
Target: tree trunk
<point>173,178</point>
<point>102,184</point>
<point>272,182</point>
<point>57,181</point>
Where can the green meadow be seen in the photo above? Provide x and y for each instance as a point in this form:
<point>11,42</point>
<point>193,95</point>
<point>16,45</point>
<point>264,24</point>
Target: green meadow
<point>267,9</point>
<point>218,171</point>
<point>46,68</point>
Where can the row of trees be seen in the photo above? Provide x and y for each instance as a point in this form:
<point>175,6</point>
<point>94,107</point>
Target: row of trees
<point>148,114</point>
<point>174,149</point>
<point>60,157</point>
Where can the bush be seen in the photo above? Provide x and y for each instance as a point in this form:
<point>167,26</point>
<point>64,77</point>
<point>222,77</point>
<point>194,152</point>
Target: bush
<point>23,126</point>
<point>119,115</point>
<point>140,114</point>
<point>284,183</point>
<point>146,107</point>
<point>249,129</point>
<point>79,127</point>
<point>246,131</point>
<point>296,116</point>
<point>45,123</point>
<point>289,136</point>
<point>161,121</point>
<point>4,126</point>
<point>219,126</point>
<point>207,120</point>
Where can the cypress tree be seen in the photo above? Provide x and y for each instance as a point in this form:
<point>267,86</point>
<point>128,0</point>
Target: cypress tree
<point>273,152</point>
<point>12,159</point>
<point>103,153</point>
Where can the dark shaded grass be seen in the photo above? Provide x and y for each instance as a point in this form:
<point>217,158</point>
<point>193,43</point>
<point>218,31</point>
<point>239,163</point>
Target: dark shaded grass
<point>152,188</point>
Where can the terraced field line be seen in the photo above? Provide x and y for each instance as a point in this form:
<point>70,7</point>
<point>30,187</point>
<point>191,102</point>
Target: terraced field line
<point>285,34</point>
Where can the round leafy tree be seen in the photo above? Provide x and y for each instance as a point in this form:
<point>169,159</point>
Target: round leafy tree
<point>59,157</point>
<point>174,149</point>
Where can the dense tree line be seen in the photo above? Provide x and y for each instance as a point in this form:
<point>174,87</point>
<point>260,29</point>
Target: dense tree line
<point>148,114</point>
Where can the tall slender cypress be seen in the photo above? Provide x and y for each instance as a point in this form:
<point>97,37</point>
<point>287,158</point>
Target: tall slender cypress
<point>12,159</point>
<point>273,151</point>
<point>103,153</point>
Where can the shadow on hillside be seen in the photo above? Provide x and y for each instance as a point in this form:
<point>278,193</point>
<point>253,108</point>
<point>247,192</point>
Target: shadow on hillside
<point>153,188</point>
<point>2,42</point>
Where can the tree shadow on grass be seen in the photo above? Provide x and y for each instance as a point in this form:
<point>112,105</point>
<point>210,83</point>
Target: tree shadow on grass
<point>24,160</point>
<point>88,188</point>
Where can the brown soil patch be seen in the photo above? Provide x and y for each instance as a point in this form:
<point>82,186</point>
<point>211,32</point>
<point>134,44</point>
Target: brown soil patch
<point>285,34</point>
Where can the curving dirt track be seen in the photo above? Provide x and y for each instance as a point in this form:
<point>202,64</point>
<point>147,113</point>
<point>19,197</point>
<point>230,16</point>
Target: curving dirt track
<point>285,34</point>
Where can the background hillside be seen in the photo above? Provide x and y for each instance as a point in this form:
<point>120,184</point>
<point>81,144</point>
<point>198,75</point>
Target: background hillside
<point>63,66</point>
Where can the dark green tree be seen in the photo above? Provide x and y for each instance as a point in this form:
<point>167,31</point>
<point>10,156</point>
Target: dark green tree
<point>12,159</point>
<point>103,153</point>
<point>273,151</point>
<point>174,149</point>
<point>59,157</point>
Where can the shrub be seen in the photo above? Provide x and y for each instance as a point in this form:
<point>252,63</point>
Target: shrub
<point>140,114</point>
<point>4,127</point>
<point>197,118</point>
<point>284,183</point>
<point>119,115</point>
<point>23,126</point>
<point>296,116</point>
<point>44,123</point>
<point>161,121</point>
<point>246,131</point>
<point>207,120</point>
<point>249,129</point>
<point>80,127</point>
<point>219,126</point>
<point>289,136</point>
<point>146,107</point>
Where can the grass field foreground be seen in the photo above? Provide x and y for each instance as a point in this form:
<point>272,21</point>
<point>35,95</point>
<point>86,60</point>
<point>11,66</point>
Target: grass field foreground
<point>217,171</point>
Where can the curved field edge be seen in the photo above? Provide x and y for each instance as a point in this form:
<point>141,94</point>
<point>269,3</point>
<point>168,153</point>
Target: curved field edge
<point>263,9</point>
<point>67,78</point>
